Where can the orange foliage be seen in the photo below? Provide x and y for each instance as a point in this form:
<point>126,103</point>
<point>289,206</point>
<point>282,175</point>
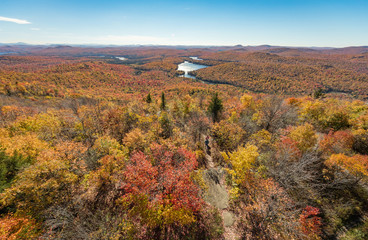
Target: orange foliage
<point>337,142</point>
<point>15,227</point>
<point>273,73</point>
<point>356,165</point>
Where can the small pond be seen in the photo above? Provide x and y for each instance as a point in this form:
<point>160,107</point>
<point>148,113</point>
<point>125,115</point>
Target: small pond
<point>122,58</point>
<point>188,67</point>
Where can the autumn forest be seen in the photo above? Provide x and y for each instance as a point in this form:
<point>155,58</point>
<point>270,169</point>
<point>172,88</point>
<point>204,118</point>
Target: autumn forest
<point>112,143</point>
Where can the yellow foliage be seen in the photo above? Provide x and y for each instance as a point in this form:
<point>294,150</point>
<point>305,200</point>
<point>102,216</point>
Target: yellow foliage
<point>28,144</point>
<point>156,214</point>
<point>197,177</point>
<point>107,145</point>
<point>304,136</point>
<point>242,160</point>
<point>357,107</point>
<point>247,101</point>
<point>360,121</point>
<point>145,122</point>
<point>46,125</point>
<point>333,113</point>
<point>235,192</point>
<point>172,215</point>
<point>135,140</point>
<point>47,181</point>
<point>261,138</point>
<point>233,117</point>
<point>256,117</point>
<point>311,110</point>
<point>200,154</point>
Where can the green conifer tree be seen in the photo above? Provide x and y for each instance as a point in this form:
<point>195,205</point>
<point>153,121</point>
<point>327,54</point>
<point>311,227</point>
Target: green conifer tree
<point>215,107</point>
<point>163,102</point>
<point>148,98</point>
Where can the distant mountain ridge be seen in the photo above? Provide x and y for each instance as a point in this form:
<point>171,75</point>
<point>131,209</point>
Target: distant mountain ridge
<point>24,48</point>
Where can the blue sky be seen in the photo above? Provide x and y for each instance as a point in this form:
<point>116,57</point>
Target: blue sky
<point>335,23</point>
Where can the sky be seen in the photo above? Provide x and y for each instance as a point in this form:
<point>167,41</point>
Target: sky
<point>317,23</point>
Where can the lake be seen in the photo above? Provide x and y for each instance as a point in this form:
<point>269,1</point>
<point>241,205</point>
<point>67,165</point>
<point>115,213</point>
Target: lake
<point>5,53</point>
<point>196,58</point>
<point>188,67</point>
<point>122,58</point>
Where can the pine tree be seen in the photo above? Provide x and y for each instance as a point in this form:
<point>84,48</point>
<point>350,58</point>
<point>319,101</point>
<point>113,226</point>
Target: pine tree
<point>215,108</point>
<point>148,98</point>
<point>166,126</point>
<point>163,102</point>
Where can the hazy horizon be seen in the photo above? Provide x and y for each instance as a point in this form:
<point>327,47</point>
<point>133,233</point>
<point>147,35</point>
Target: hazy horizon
<point>172,45</point>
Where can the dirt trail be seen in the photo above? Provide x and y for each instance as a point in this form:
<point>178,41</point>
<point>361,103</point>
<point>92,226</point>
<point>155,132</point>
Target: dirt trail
<point>217,195</point>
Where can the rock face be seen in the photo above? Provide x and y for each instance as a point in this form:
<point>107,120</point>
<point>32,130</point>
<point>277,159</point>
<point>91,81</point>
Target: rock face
<point>228,218</point>
<point>216,194</point>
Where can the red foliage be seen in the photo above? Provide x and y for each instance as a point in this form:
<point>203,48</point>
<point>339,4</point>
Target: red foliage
<point>164,177</point>
<point>311,223</point>
<point>140,175</point>
<point>288,148</point>
<point>337,142</point>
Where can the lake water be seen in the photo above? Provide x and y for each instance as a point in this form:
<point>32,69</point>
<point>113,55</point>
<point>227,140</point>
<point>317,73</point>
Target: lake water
<point>188,67</point>
<point>5,53</point>
<point>196,58</point>
<point>122,58</point>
